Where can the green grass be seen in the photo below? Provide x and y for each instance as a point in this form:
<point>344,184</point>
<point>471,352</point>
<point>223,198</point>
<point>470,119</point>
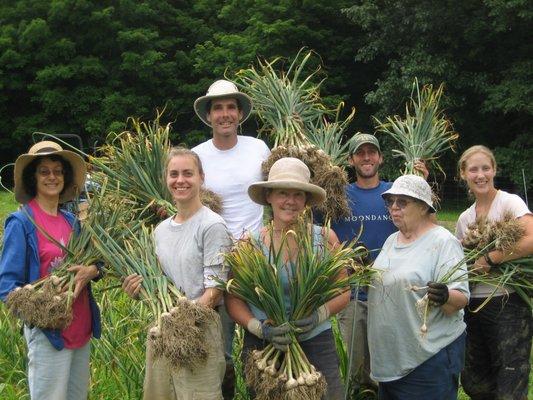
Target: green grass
<point>7,204</point>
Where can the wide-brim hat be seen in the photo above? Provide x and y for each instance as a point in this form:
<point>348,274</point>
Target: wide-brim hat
<point>413,186</point>
<point>222,89</point>
<point>287,173</point>
<point>46,148</point>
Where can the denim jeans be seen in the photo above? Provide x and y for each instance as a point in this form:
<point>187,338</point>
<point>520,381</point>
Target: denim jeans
<point>53,374</point>
<point>321,352</point>
<point>435,379</point>
<point>498,347</point>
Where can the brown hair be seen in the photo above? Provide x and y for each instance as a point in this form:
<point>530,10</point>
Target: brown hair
<point>210,102</point>
<point>461,165</point>
<point>182,151</point>
<point>29,181</point>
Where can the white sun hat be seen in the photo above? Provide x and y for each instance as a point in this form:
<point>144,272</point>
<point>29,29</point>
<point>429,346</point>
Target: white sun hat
<point>222,89</point>
<point>413,186</point>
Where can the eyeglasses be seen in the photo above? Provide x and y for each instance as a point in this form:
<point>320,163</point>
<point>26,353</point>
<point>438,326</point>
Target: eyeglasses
<point>401,203</point>
<point>47,172</point>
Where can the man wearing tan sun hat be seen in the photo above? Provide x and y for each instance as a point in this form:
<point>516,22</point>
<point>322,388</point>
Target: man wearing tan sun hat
<point>231,162</point>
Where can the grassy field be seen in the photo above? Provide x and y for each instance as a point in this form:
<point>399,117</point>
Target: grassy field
<point>117,363</point>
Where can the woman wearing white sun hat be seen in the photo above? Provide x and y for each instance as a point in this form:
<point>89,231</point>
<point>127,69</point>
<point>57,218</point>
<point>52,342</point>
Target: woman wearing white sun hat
<point>58,361</point>
<point>412,358</point>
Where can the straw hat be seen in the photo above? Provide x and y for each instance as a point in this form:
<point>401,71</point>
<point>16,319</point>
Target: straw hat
<point>222,89</point>
<point>287,173</point>
<point>413,186</point>
<point>46,148</point>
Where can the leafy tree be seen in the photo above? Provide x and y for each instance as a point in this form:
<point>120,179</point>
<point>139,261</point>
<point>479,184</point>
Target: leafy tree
<point>79,66</point>
<point>481,50</point>
<point>84,66</point>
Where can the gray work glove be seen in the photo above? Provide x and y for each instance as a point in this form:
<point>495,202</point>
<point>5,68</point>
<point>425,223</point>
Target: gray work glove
<point>277,335</point>
<point>305,325</point>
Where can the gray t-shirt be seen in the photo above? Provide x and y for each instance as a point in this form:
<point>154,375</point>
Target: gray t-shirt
<point>192,253</point>
<point>394,337</point>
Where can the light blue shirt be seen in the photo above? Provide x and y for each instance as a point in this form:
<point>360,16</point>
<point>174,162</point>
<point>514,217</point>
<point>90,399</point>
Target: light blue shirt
<point>396,343</point>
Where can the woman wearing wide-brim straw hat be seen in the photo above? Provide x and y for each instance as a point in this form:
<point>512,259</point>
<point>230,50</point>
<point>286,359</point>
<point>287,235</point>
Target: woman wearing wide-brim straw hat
<point>58,361</point>
<point>416,333</point>
<point>288,192</point>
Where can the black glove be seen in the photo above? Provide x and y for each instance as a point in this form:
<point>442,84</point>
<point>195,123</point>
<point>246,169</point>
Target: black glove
<point>438,293</point>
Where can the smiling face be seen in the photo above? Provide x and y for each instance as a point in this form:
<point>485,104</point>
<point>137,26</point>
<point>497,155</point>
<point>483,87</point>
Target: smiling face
<point>478,173</point>
<point>184,179</point>
<point>287,205</point>
<point>224,116</point>
<point>366,161</point>
<point>49,178</point>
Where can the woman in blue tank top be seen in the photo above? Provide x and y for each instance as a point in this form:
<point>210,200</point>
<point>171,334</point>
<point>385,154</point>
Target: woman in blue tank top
<point>288,192</point>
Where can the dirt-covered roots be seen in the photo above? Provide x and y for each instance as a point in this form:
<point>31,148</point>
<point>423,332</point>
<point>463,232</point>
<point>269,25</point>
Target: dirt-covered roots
<point>181,336</point>
<point>329,177</point>
<point>503,234</point>
<point>211,200</point>
<point>42,304</point>
<point>267,377</point>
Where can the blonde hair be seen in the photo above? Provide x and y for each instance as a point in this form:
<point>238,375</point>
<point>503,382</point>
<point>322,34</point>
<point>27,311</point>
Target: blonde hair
<point>182,151</point>
<point>470,152</point>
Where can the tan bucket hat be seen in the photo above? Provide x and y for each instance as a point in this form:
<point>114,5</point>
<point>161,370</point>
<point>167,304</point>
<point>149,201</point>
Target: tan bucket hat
<point>46,148</point>
<point>413,186</point>
<point>222,89</point>
<point>287,173</point>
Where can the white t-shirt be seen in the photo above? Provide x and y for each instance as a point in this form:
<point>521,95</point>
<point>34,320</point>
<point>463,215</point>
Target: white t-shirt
<point>229,173</point>
<point>502,203</point>
<point>394,338</point>
<point>191,253</point>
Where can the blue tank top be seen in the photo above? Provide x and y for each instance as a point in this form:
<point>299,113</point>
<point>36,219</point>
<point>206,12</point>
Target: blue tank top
<point>285,276</point>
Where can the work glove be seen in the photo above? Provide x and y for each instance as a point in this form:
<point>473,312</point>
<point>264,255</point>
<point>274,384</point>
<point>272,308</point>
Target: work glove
<point>306,325</point>
<point>438,293</point>
<point>277,335</point>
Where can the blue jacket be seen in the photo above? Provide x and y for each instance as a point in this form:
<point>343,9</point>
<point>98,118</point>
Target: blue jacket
<point>20,265</point>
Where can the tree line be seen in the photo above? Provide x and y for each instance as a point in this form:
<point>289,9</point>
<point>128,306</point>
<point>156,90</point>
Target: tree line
<point>84,66</point>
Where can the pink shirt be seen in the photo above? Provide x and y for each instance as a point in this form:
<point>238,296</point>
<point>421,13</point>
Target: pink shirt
<point>78,333</point>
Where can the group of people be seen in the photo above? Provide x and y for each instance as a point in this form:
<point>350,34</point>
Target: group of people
<point>394,348</point>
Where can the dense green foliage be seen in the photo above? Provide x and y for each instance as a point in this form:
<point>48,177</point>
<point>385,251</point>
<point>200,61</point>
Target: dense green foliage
<point>480,50</point>
<point>84,66</point>
<point>78,66</point>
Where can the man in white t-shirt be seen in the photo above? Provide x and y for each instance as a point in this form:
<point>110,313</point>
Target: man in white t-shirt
<point>231,163</point>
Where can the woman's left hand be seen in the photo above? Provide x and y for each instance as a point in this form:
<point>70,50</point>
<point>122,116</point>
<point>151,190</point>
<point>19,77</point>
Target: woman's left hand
<point>83,275</point>
<point>438,293</point>
<point>306,325</point>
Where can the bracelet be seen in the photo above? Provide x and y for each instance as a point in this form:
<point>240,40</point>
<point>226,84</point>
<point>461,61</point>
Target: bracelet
<point>489,261</point>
